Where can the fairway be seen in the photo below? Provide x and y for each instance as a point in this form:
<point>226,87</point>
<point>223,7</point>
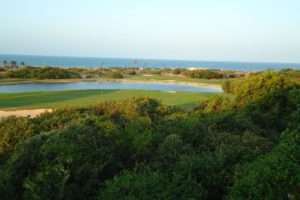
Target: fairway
<point>177,79</point>
<point>60,99</point>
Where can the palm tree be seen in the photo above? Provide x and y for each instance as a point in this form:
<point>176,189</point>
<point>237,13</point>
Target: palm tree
<point>4,63</point>
<point>135,62</point>
<point>13,64</point>
<point>22,64</point>
<point>145,64</point>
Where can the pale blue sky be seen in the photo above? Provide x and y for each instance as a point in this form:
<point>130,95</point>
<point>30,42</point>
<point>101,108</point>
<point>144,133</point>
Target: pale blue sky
<point>225,30</point>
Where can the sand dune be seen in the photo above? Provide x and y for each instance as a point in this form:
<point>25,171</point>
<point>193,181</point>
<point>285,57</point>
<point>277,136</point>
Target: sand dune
<point>23,113</point>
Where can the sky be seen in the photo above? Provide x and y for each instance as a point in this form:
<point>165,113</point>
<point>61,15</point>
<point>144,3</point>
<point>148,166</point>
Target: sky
<point>217,30</point>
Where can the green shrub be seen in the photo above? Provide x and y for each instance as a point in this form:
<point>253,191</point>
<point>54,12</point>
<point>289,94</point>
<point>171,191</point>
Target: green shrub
<point>42,73</point>
<point>257,87</point>
<point>176,71</point>
<point>130,72</point>
<point>115,75</point>
<point>203,74</point>
<point>215,104</point>
<point>12,131</point>
<point>152,185</point>
<point>276,176</point>
<point>155,72</point>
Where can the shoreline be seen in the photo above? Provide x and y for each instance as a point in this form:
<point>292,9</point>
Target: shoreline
<point>17,82</point>
<point>94,62</point>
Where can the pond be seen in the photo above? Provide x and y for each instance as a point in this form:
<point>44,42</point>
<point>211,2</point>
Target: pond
<point>30,87</point>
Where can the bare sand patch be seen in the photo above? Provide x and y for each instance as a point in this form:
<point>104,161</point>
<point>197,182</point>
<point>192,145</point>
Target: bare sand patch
<point>23,113</point>
<point>171,91</point>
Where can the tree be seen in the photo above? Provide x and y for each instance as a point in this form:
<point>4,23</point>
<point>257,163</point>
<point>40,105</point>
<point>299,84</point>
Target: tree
<point>145,64</point>
<point>217,103</point>
<point>5,63</point>
<point>256,87</point>
<point>176,71</point>
<point>22,64</point>
<point>12,131</point>
<point>276,176</point>
<point>13,64</point>
<point>151,185</point>
<point>42,73</point>
<point>147,107</point>
<point>115,75</point>
<point>205,74</point>
<point>72,162</point>
<point>135,62</point>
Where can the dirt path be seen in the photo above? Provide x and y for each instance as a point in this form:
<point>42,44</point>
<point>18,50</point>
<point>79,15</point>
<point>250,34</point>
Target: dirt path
<point>23,113</point>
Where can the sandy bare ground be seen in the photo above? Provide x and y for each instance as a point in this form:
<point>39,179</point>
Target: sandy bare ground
<point>23,113</point>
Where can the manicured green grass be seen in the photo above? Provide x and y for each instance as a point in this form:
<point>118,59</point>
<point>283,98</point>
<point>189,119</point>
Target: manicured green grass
<point>177,79</point>
<point>22,81</point>
<point>59,99</point>
<point>12,82</point>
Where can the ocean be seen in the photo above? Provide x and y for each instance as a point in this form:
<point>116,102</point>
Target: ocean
<point>92,62</point>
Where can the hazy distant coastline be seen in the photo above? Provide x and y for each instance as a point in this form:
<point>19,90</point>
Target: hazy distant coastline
<point>153,63</point>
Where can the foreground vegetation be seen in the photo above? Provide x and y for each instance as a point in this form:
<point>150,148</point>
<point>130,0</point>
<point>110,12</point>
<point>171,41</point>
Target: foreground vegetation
<point>241,147</point>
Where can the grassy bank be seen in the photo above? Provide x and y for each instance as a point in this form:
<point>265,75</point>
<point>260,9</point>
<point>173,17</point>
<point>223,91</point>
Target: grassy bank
<point>177,79</point>
<point>59,99</point>
<point>23,81</point>
<point>158,78</point>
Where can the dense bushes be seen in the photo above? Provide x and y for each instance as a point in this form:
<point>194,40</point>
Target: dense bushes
<point>178,71</point>
<point>12,131</point>
<point>152,185</point>
<point>141,149</point>
<point>215,104</point>
<point>42,73</point>
<point>291,73</point>
<point>257,87</point>
<point>130,72</point>
<point>204,74</point>
<point>275,176</point>
<point>84,153</point>
<point>116,75</point>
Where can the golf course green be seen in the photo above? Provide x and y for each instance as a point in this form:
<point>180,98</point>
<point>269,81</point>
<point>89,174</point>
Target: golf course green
<point>60,99</point>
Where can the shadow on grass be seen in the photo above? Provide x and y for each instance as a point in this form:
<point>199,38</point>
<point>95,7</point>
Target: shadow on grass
<point>36,98</point>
